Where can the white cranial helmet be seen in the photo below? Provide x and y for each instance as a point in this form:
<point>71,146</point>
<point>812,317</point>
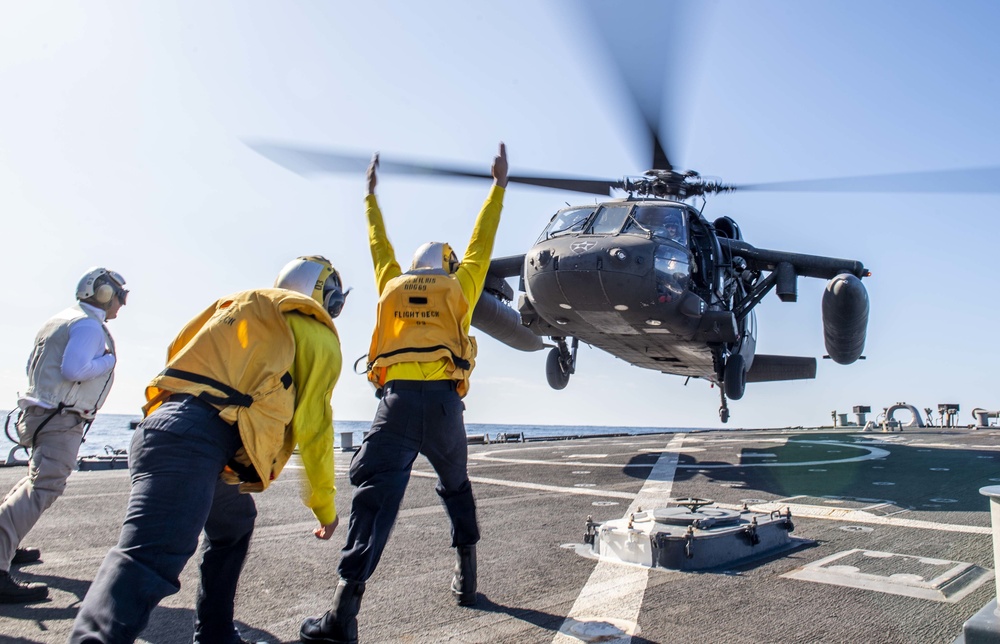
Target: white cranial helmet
<point>99,285</point>
<point>435,255</point>
<point>315,276</point>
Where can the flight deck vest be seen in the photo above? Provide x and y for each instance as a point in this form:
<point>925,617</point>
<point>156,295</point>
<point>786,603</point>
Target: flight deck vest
<point>419,319</point>
<point>236,356</point>
<point>46,382</point>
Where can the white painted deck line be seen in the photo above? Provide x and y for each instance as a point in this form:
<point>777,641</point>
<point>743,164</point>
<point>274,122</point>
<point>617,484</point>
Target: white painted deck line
<point>538,486</point>
<point>615,592</point>
<point>809,511</point>
<point>858,516</point>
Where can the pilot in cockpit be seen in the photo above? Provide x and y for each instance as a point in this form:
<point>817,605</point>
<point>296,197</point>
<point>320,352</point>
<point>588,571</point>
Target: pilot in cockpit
<point>662,222</point>
<point>672,227</point>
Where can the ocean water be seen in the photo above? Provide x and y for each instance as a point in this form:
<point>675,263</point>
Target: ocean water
<point>113,432</point>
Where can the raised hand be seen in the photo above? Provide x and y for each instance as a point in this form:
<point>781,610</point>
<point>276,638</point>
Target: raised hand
<point>500,166</point>
<point>372,174</point>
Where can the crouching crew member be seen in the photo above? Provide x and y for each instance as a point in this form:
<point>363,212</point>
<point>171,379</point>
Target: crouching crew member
<point>420,360</point>
<point>246,381</point>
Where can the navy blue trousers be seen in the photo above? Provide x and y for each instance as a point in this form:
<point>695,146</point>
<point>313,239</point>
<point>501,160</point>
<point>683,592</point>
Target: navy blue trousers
<point>176,456</point>
<point>413,418</point>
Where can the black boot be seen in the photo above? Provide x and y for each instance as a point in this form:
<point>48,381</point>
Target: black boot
<point>339,625</point>
<point>463,584</point>
<point>15,591</point>
<point>26,555</point>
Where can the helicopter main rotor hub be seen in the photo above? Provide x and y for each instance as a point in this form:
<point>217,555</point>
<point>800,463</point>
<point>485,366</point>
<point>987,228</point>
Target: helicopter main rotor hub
<point>671,183</point>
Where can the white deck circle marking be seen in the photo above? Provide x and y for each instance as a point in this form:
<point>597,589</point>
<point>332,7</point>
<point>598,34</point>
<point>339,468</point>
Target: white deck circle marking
<point>872,453</point>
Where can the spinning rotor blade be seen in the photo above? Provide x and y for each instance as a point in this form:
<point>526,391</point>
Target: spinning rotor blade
<point>590,186</point>
<point>651,45</point>
<point>970,180</point>
<point>306,162</point>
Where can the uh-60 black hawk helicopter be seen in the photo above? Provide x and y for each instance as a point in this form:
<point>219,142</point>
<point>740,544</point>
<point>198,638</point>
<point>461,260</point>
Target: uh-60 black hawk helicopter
<point>647,277</point>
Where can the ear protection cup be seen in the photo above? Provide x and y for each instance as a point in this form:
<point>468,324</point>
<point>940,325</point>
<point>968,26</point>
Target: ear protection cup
<point>104,293</point>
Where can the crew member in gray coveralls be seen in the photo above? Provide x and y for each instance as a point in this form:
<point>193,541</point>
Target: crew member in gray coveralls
<point>70,371</point>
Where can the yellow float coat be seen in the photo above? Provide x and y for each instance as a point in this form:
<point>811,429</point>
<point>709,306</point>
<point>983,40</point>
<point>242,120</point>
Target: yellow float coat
<point>471,275</point>
<point>419,319</point>
<point>255,355</point>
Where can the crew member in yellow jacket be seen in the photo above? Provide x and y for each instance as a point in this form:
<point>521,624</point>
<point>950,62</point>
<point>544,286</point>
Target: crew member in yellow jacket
<point>246,381</point>
<point>420,359</point>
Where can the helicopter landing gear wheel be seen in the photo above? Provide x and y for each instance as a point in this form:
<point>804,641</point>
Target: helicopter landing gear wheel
<point>561,363</point>
<point>735,381</point>
<point>724,408</point>
<point>558,379</point>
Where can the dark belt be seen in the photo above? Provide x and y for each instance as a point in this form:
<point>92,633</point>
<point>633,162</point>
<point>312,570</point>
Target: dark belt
<point>420,385</point>
<point>181,398</point>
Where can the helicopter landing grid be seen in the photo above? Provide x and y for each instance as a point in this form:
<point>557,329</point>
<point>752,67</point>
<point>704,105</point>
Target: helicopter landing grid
<point>891,543</point>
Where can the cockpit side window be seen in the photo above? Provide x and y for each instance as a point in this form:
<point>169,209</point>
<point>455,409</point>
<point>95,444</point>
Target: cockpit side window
<point>564,222</point>
<point>664,222</point>
<point>609,219</point>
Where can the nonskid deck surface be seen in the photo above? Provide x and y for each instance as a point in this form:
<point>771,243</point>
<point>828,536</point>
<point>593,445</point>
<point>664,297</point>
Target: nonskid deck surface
<point>897,545</point>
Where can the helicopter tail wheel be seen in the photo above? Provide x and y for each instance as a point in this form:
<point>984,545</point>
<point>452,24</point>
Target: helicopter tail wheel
<point>736,376</point>
<point>555,372</point>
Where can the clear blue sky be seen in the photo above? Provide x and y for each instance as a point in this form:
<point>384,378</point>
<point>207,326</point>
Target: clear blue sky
<point>121,144</point>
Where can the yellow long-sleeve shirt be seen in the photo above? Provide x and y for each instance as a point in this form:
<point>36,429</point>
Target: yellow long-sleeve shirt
<point>315,372</point>
<point>471,273</point>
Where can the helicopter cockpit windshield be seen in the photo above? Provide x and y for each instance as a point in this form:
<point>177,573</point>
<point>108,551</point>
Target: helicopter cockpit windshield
<point>664,222</point>
<point>609,219</point>
<point>564,222</point>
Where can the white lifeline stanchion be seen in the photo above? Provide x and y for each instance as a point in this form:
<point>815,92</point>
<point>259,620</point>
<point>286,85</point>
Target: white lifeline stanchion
<point>610,601</point>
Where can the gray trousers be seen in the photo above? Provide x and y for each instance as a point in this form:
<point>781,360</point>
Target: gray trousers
<point>55,452</point>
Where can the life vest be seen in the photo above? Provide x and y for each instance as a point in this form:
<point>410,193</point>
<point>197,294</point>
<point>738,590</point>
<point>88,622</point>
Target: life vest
<point>46,382</point>
<point>236,356</point>
<point>419,319</point>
